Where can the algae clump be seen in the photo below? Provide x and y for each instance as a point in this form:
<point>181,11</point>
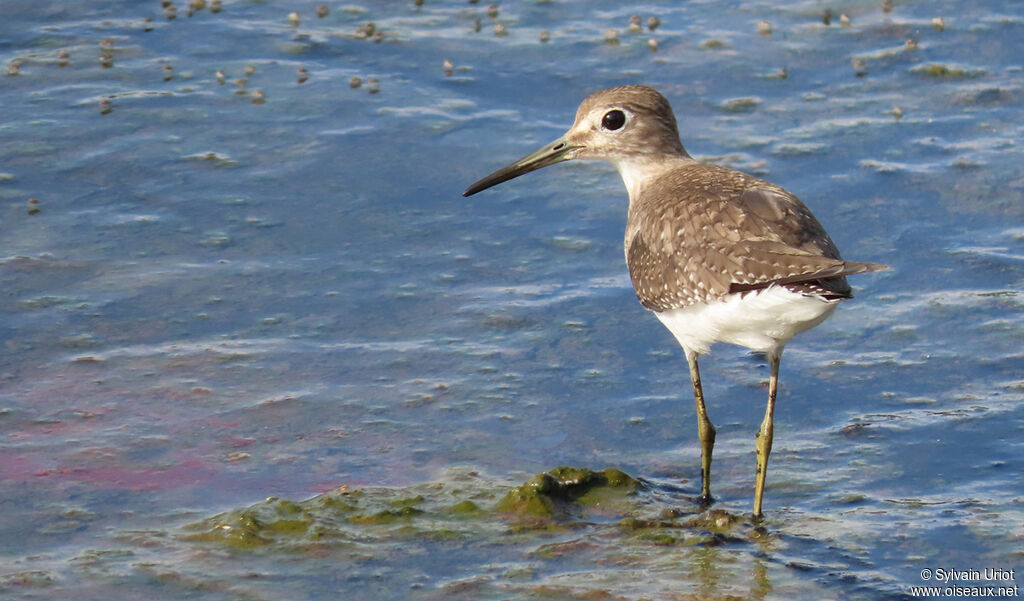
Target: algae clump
<point>565,490</point>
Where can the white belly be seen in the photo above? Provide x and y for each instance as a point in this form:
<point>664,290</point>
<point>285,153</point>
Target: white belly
<point>763,320</point>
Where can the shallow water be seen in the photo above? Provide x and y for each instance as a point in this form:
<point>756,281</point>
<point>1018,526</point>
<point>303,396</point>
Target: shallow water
<point>212,296</point>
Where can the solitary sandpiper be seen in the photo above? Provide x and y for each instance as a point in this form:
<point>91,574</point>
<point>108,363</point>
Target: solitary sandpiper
<point>716,254</point>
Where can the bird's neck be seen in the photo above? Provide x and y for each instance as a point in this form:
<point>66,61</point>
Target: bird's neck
<point>639,171</point>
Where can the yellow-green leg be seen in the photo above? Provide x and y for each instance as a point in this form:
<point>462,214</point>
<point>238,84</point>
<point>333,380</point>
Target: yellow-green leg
<point>764,435</point>
<point>705,430</point>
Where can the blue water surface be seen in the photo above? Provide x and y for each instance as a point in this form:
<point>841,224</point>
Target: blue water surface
<point>235,263</point>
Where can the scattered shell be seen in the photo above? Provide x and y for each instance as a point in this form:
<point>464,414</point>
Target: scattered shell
<point>303,74</point>
<point>258,97</point>
<point>249,70</point>
<point>780,73</point>
<point>860,68</point>
<point>910,44</point>
<point>844,20</point>
<point>492,11</point>
<point>611,36</point>
<point>449,68</point>
<point>13,68</point>
<point>241,81</point>
<point>653,23</point>
<point>293,19</point>
<point>500,30</point>
<point>322,11</point>
<point>171,13</point>
<point>220,77</point>
<point>635,24</point>
<point>168,73</point>
<point>105,106</point>
<point>418,2</point>
<point>939,24</point>
<point>148,24</point>
<point>366,31</point>
<point>33,206</point>
<point>372,85</point>
<point>355,82</point>
<point>215,6</point>
<point>544,35</point>
<point>764,28</point>
<point>62,58</point>
<point>652,44</point>
<point>887,6</point>
<point>896,112</point>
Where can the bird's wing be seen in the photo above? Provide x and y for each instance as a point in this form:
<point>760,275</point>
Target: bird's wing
<point>714,231</point>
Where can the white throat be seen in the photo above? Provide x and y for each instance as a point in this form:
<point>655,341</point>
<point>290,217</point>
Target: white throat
<point>637,172</point>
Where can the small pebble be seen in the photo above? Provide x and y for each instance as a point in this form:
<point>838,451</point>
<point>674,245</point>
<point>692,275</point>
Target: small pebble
<point>635,24</point>
<point>13,69</point>
<point>827,17</point>
<point>322,11</point>
<point>544,35</point>
<point>492,11</point>
<point>844,20</point>
<point>33,206</point>
<point>910,44</point>
<point>896,112</point>
<point>418,2</point>
<point>652,44</point>
<point>215,6</point>
<point>249,70</point>
<point>372,85</point>
<point>611,36</point>
<point>148,24</point>
<point>764,28</point>
<point>860,67</point>
<point>105,106</point>
<point>303,74</point>
<point>939,24</point>
<point>293,18</point>
<point>449,68</point>
<point>62,58</point>
<point>220,77</point>
<point>887,6</point>
<point>653,23</point>
<point>258,97</point>
<point>355,82</point>
<point>500,30</point>
<point>168,73</point>
<point>171,13</point>
<point>477,25</point>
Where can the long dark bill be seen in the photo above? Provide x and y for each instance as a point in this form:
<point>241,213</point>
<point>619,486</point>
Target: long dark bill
<point>552,153</point>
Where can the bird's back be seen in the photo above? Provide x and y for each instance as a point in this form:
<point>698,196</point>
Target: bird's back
<point>699,232</point>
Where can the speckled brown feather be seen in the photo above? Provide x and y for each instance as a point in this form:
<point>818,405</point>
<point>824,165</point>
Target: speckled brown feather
<point>700,232</point>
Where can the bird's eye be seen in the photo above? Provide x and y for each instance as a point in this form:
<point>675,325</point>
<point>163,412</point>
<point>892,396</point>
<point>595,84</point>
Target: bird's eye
<point>613,120</point>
